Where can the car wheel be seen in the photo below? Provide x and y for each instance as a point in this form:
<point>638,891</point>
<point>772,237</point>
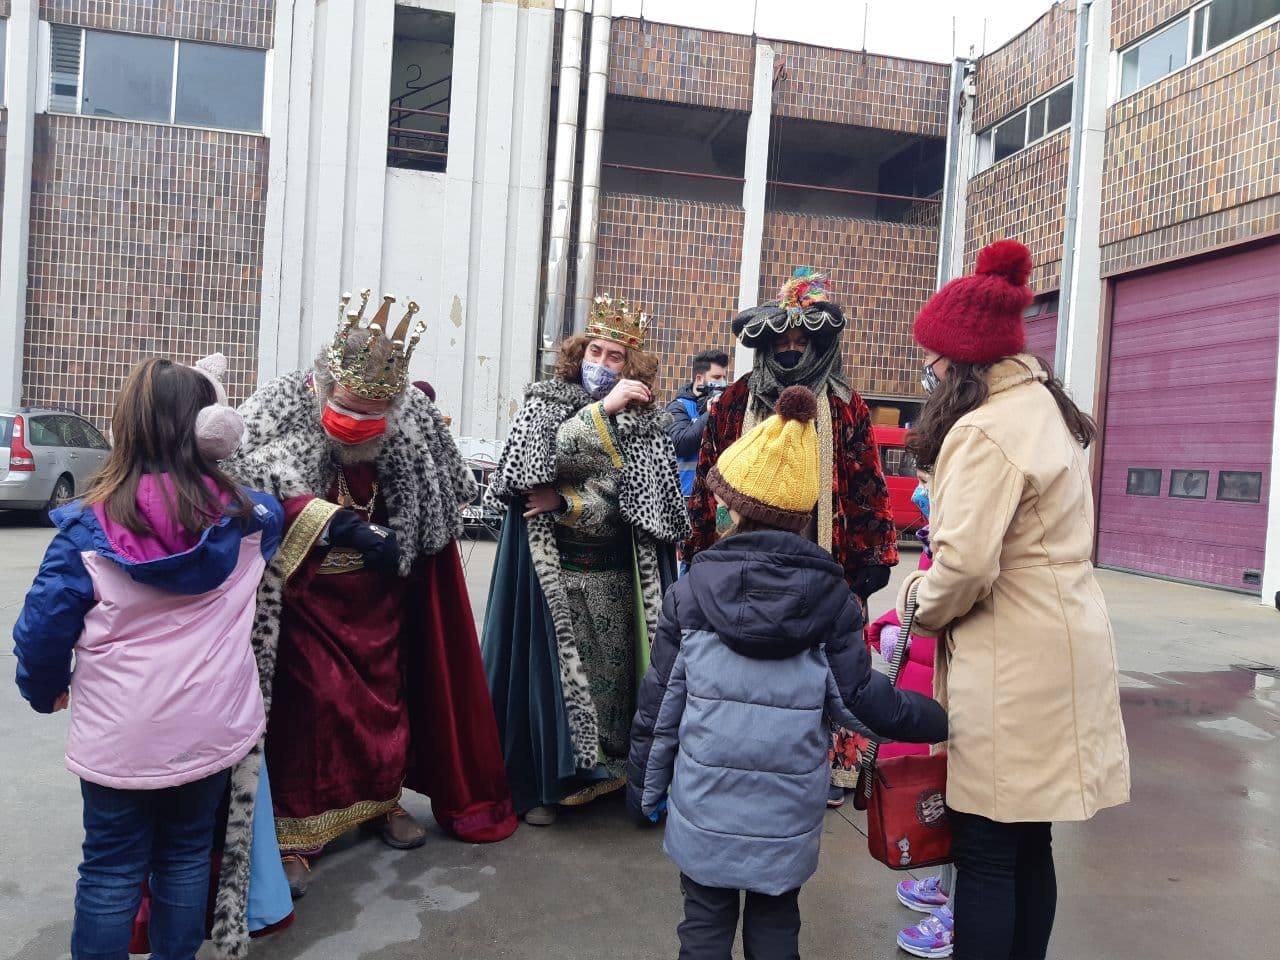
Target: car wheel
<point>62,492</point>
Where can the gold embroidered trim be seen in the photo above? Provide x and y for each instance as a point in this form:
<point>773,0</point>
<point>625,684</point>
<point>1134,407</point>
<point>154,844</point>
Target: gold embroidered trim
<point>606,439</point>
<point>826,471</point>
<point>594,792</point>
<point>303,534</point>
<point>308,833</point>
<point>574,500</point>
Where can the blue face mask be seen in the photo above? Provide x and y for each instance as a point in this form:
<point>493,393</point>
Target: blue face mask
<point>921,499</point>
<point>597,379</point>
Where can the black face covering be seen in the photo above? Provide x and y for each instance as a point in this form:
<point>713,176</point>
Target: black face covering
<point>789,359</point>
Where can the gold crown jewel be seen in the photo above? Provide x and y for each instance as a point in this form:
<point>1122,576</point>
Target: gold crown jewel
<point>379,368</point>
<point>613,320</point>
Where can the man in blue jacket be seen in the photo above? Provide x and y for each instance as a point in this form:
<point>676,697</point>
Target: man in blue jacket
<point>689,411</point>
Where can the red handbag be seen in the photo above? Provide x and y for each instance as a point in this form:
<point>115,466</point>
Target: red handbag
<point>905,797</point>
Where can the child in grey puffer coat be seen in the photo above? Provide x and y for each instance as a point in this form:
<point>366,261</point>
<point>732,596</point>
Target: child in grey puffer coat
<point>756,648</point>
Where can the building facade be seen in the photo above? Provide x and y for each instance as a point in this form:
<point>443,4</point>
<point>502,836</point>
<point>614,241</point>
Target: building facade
<point>243,175</point>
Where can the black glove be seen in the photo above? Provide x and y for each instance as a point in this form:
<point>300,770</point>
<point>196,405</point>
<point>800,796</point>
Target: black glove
<point>868,580</point>
<point>377,545</point>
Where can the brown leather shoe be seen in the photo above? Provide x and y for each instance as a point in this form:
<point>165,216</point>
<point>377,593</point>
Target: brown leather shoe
<point>401,831</point>
<point>297,870</point>
<point>541,816</point>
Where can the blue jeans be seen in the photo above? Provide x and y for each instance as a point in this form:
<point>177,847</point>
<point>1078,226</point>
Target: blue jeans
<point>164,836</point>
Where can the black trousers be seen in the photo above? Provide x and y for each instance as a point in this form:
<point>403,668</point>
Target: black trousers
<point>770,925</point>
<point>1006,892</point>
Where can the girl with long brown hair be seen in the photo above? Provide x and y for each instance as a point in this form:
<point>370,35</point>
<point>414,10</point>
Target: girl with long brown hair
<point>1026,664</point>
<point>151,583</point>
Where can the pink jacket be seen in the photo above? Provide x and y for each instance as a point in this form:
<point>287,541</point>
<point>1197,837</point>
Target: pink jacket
<point>165,687</point>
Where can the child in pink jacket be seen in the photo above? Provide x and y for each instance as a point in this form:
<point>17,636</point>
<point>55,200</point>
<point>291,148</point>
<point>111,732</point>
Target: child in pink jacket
<point>150,583</point>
<point>931,937</point>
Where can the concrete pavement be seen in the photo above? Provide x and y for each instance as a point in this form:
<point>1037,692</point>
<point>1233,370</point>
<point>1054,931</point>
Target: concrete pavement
<point>1184,872</point>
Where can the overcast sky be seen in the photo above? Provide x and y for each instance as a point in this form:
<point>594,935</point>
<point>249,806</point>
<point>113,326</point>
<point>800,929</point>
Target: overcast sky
<point>922,29</point>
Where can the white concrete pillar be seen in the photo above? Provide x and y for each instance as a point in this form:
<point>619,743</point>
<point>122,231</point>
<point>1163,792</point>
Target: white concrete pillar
<point>1078,362</point>
<point>486,307</point>
<point>592,159</point>
<point>961,153</point>
<point>327,172</point>
<point>15,224</point>
<point>367,145</point>
<point>756,176</point>
<point>287,126</point>
<point>442,355</point>
<point>529,145</point>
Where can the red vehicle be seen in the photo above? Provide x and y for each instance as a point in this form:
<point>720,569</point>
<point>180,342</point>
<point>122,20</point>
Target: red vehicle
<point>900,474</point>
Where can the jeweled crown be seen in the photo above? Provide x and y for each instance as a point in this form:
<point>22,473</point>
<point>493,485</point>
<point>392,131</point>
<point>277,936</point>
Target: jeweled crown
<point>379,367</point>
<point>613,320</point>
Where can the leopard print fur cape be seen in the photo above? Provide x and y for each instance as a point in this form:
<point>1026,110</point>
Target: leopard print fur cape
<point>650,502</point>
<point>286,453</point>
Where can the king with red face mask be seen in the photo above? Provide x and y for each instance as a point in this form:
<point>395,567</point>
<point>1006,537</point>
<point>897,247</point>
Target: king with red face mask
<point>366,646</point>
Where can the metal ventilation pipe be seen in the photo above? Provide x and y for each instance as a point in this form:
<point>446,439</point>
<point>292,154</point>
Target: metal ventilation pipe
<point>553,310</point>
<point>592,146</point>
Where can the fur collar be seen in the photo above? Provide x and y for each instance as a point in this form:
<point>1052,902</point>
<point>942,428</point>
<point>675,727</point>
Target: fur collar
<point>649,495</point>
<point>422,476</point>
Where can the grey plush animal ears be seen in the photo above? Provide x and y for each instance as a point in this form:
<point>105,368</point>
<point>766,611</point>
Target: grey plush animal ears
<point>219,428</point>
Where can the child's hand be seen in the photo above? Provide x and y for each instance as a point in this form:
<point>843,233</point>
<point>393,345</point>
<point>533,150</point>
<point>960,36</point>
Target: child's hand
<point>62,702</point>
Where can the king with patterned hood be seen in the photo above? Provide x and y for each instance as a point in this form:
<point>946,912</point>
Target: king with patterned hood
<point>594,511</point>
<point>366,648</point>
<point>797,342</point>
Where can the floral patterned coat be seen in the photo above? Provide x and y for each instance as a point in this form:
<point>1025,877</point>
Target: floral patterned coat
<point>863,532</point>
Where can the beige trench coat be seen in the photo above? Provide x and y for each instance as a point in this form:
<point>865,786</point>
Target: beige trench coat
<point>1028,668</point>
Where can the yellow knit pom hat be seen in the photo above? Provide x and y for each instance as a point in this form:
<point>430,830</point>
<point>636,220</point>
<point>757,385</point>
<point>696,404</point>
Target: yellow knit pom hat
<point>771,473</point>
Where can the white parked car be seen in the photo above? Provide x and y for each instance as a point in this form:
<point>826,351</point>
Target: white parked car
<point>46,457</point>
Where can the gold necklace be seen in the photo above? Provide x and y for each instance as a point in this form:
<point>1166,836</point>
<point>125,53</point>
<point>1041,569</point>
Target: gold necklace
<point>346,500</point>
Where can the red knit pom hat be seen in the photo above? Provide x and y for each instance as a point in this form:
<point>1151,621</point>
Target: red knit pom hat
<point>978,319</point>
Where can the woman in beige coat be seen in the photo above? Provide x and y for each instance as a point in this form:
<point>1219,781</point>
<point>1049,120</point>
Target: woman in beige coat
<point>1027,665</point>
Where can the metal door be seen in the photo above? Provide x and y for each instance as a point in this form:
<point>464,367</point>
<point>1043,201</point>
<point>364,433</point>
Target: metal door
<point>1190,405</point>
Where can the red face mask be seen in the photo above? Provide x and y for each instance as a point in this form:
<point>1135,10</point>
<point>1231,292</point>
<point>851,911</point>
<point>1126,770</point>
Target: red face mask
<point>349,427</point>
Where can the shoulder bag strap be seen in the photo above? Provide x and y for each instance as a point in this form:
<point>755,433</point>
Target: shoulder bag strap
<point>895,668</point>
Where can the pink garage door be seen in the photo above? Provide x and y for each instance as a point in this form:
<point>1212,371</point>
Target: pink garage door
<point>1042,334</point>
<point>1190,402</point>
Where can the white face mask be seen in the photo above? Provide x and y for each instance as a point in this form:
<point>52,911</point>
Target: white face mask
<point>930,381</point>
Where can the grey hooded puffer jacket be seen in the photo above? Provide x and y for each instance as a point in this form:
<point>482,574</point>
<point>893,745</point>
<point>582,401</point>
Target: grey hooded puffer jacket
<point>756,648</point>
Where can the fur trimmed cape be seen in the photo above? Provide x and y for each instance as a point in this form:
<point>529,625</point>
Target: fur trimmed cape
<point>286,453</point>
<point>650,502</point>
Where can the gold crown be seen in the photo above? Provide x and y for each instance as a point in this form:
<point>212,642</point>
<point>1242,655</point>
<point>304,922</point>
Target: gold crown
<point>613,320</point>
<point>379,369</point>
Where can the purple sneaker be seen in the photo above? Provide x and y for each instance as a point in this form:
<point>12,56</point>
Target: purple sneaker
<point>931,937</point>
<point>922,896</point>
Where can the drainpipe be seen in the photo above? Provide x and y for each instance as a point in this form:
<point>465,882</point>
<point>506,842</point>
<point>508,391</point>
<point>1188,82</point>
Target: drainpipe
<point>592,145</point>
<point>1072,217</point>
<point>562,181</point>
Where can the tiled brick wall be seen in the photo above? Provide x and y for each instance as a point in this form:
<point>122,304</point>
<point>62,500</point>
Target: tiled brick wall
<point>678,260</point>
<point>144,240</point>
<point>880,273</point>
<point>1031,64</point>
<point>1131,19</point>
<point>243,23</point>
<point>862,89</point>
<point>1023,197</point>
<point>658,61</point>
<point>1191,160</point>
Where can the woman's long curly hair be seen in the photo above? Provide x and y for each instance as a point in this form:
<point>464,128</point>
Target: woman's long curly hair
<point>963,390</point>
<point>638,365</point>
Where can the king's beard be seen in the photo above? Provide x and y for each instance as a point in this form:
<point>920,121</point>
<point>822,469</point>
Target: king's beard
<point>349,454</point>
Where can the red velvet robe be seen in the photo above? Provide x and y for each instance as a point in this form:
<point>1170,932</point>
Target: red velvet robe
<point>379,684</point>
